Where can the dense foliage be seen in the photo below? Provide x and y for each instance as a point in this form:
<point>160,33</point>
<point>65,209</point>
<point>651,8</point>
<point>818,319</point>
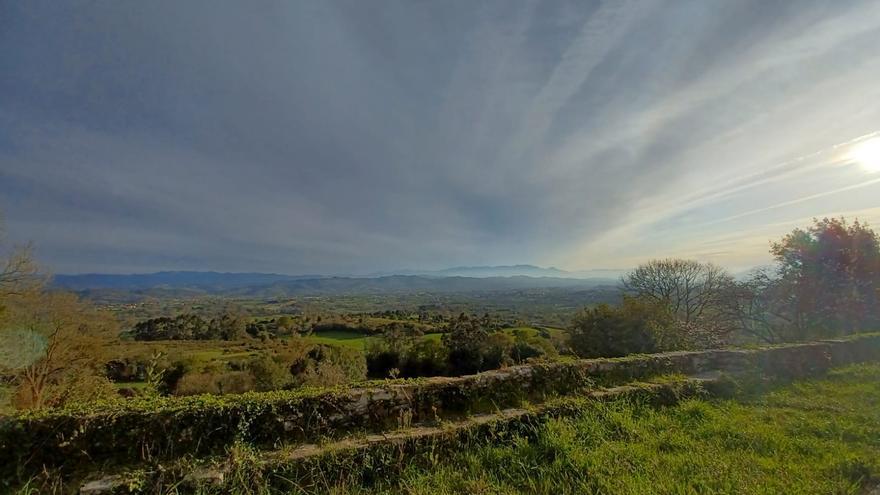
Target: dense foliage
<point>636,326</point>
<point>826,282</point>
<point>189,326</point>
<point>469,344</point>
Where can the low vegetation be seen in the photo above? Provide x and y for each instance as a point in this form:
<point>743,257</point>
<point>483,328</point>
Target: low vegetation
<point>831,268</point>
<point>814,437</point>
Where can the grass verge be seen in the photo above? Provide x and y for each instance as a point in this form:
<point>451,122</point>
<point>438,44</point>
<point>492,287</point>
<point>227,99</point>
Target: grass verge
<point>820,436</point>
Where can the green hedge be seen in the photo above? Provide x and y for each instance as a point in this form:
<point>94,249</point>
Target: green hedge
<point>127,431</point>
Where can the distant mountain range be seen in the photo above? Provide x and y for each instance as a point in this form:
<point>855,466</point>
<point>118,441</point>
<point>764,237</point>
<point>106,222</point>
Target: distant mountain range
<point>509,271</point>
<point>459,279</point>
<point>485,272</point>
<point>183,279</point>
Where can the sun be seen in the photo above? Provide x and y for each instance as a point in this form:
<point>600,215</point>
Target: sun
<point>867,154</point>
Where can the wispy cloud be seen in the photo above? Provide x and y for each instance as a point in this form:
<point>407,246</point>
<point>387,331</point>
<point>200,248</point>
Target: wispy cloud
<point>341,137</point>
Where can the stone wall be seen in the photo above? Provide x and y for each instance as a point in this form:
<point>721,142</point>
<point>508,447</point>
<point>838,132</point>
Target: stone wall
<point>129,431</point>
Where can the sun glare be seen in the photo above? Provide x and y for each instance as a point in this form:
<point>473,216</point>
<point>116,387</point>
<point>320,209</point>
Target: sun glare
<point>867,154</point>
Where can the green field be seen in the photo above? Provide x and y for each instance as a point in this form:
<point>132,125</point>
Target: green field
<point>359,341</point>
<point>350,339</point>
<point>819,437</point>
<point>339,337</point>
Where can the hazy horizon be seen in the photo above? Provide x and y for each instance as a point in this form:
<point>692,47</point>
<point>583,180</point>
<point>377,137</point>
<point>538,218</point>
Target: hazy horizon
<point>347,137</point>
<point>592,273</point>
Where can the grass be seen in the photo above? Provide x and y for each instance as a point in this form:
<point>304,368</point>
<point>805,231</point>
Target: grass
<point>351,339</point>
<point>359,341</point>
<point>819,437</point>
<point>339,337</point>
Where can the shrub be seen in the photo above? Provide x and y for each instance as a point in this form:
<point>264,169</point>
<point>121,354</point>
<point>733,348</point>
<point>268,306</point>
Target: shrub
<point>637,326</point>
<point>324,374</point>
<point>497,351</point>
<point>402,348</point>
<point>270,373</point>
<point>328,366</point>
<point>216,382</point>
<point>425,358</point>
<point>526,347</point>
<point>381,360</point>
<point>466,338</point>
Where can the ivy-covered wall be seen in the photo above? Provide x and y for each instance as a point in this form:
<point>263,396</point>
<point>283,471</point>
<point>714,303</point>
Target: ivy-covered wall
<point>132,430</point>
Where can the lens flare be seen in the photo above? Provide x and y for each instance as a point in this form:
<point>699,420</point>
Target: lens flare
<point>867,155</point>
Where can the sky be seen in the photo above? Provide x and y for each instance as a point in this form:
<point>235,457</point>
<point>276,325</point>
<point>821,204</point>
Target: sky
<point>352,137</point>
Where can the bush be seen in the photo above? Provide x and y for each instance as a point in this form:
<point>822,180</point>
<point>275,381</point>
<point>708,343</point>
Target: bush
<point>78,386</point>
<point>381,360</point>
<point>329,366</point>
<point>527,347</point>
<point>402,348</point>
<point>497,351</point>
<point>425,358</point>
<point>467,339</point>
<point>637,326</point>
<point>270,373</point>
<point>216,382</point>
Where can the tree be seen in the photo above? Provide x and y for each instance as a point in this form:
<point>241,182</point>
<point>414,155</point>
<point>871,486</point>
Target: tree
<point>64,339</point>
<point>466,338</point>
<point>759,308</point>
<point>230,326</point>
<point>270,373</point>
<point>636,326</point>
<point>18,271</point>
<point>400,337</point>
<point>828,278</point>
<point>690,289</point>
<point>393,349</point>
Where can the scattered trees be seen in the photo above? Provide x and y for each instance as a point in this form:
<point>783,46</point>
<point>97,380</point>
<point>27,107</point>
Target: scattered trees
<point>826,282</point>
<point>284,366</point>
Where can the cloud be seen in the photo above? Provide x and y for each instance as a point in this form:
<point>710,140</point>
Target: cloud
<point>338,137</point>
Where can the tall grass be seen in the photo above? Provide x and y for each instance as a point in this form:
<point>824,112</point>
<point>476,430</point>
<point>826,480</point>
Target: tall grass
<point>819,437</point>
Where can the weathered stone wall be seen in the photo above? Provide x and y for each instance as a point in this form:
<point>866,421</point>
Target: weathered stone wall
<point>133,430</point>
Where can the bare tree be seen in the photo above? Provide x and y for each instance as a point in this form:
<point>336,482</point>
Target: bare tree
<point>691,290</point>
<point>53,345</point>
<point>18,271</point>
<point>758,307</point>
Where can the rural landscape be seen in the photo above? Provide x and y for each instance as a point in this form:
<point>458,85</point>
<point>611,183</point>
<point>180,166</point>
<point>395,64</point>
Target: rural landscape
<point>198,386</point>
<point>524,247</point>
